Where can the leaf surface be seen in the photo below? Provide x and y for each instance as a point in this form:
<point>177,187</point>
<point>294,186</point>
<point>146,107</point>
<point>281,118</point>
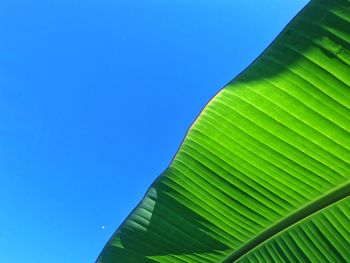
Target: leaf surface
<point>263,173</point>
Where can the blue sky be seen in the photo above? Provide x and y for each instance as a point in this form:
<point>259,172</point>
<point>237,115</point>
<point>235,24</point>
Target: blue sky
<point>95,98</point>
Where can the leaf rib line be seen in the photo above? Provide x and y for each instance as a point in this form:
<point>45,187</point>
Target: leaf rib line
<point>271,160</point>
<point>326,200</point>
<point>312,164</point>
<point>322,97</point>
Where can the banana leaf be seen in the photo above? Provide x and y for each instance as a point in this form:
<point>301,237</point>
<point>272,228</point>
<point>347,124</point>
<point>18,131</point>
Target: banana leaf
<point>263,174</point>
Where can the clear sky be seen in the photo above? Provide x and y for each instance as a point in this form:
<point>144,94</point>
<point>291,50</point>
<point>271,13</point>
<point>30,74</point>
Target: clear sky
<point>95,98</point>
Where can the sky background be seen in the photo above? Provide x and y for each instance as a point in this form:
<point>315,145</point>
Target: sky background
<point>95,98</point>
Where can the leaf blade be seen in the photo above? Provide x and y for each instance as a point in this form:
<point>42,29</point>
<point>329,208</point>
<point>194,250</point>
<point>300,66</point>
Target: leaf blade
<point>271,149</point>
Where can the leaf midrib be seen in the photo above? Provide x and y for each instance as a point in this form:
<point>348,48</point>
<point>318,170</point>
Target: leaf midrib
<point>302,213</point>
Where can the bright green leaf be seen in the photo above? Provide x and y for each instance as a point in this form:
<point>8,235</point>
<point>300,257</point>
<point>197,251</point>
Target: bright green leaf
<point>263,174</point>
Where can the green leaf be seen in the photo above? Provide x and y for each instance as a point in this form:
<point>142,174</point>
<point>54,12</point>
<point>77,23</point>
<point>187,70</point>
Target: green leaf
<point>263,173</point>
